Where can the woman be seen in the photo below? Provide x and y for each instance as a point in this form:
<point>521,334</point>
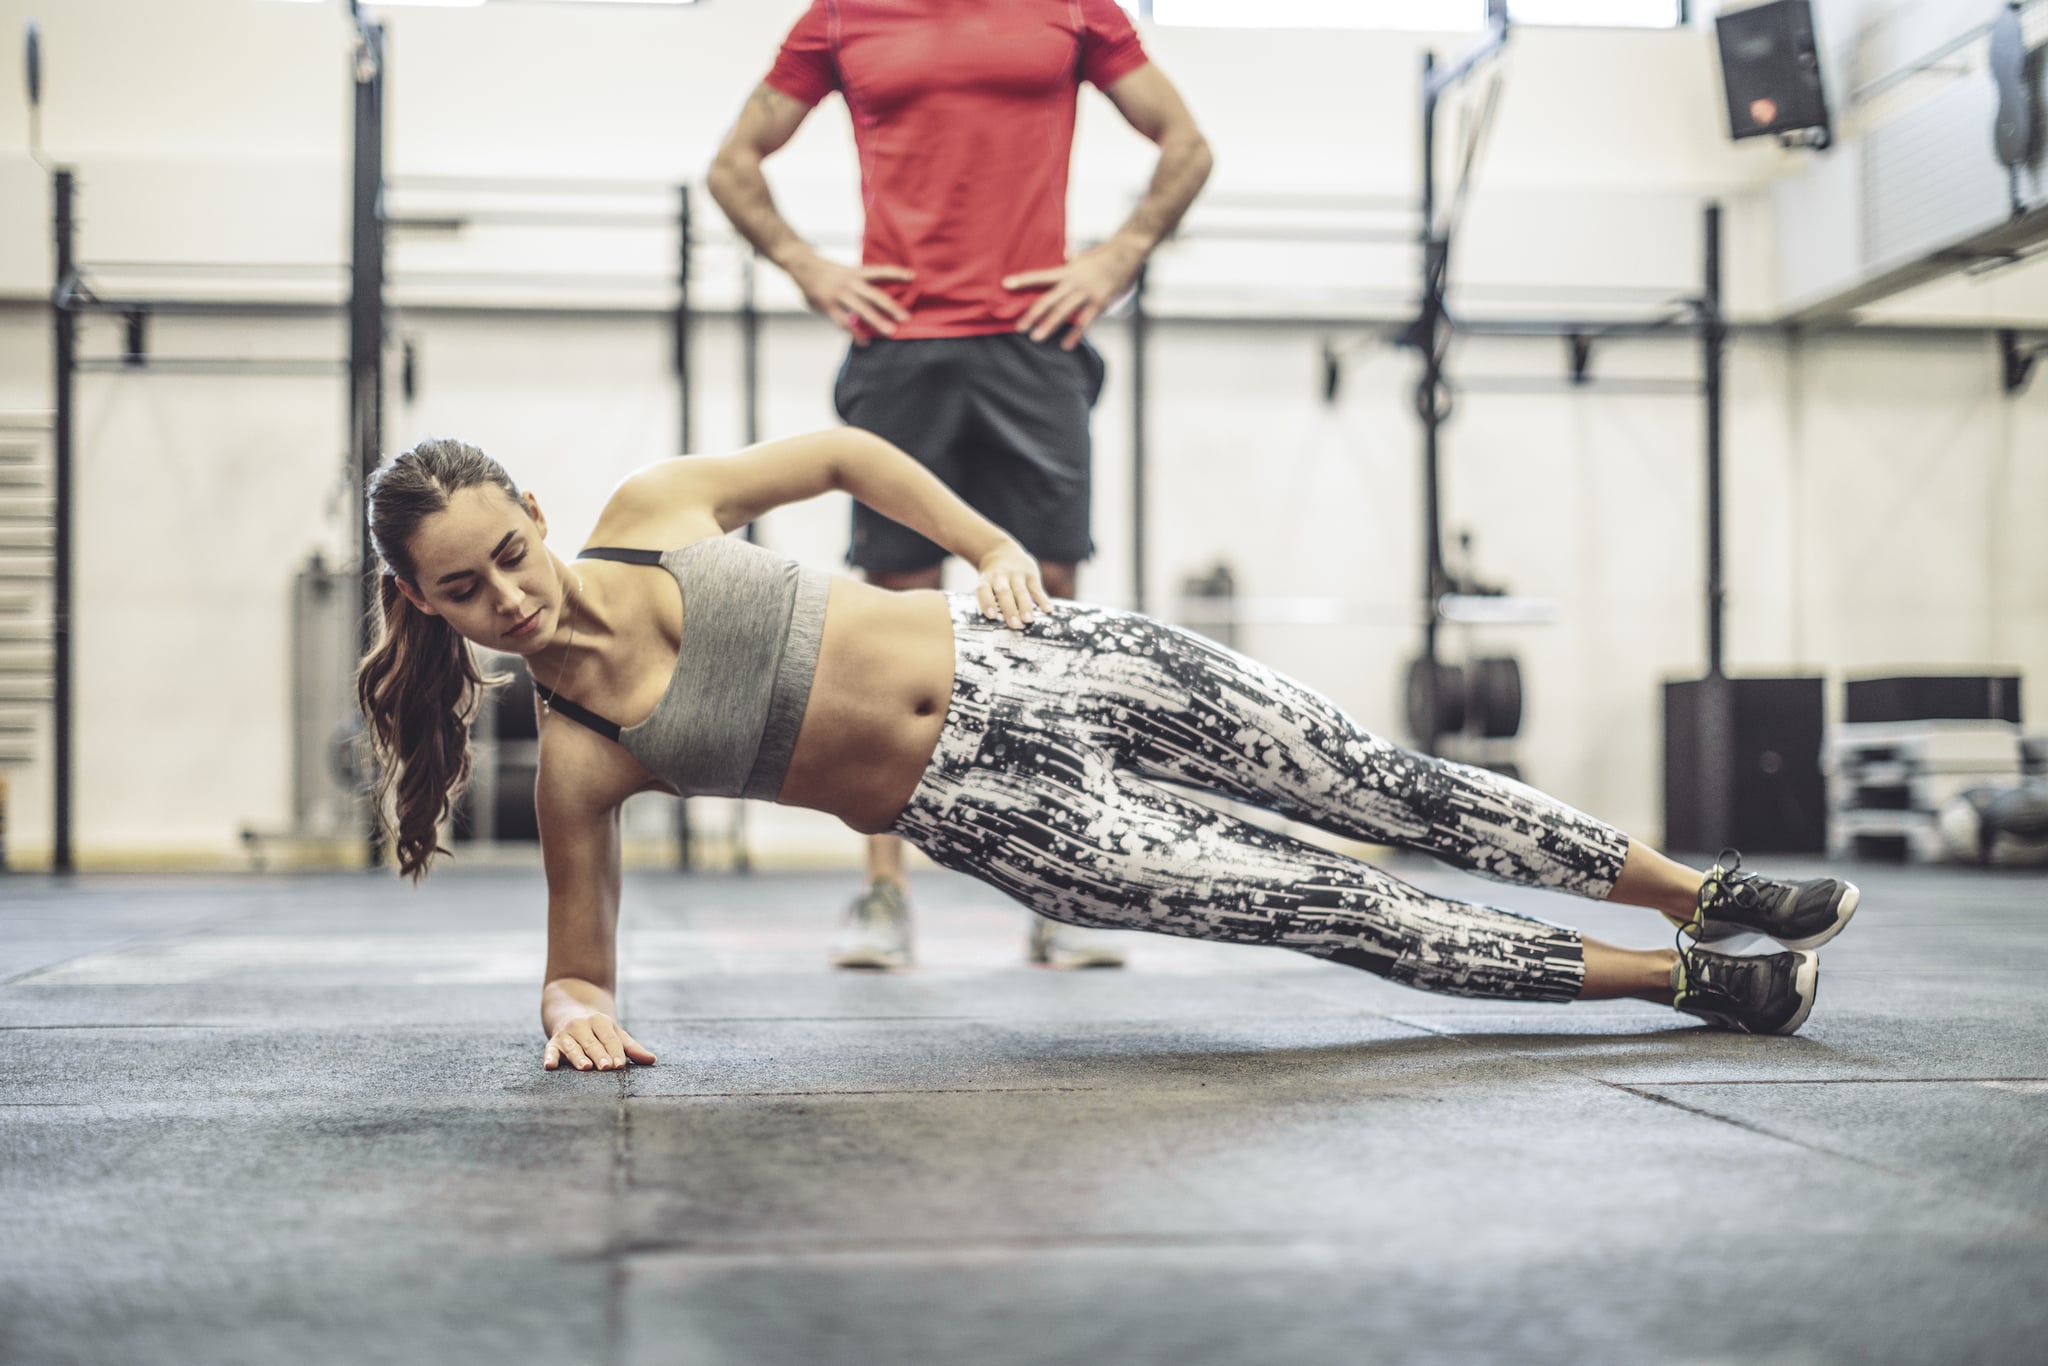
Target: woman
<point>1007,736</point>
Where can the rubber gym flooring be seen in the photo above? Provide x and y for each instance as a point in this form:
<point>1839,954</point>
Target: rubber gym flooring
<point>301,1119</point>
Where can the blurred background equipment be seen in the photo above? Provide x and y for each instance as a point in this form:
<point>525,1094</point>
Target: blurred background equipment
<point>1770,72</point>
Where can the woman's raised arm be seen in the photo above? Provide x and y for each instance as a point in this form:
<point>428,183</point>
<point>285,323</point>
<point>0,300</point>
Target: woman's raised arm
<point>736,489</point>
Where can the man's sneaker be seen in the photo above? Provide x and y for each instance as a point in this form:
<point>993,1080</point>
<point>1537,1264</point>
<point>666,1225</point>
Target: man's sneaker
<point>876,931</point>
<point>1757,994</point>
<point>1054,945</point>
<point>1799,915</point>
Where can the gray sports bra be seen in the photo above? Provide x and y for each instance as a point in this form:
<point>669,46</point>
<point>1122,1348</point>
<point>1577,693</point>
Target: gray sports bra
<point>752,622</point>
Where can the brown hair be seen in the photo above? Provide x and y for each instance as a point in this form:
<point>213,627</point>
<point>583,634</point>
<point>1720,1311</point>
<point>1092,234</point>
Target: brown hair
<point>419,685</point>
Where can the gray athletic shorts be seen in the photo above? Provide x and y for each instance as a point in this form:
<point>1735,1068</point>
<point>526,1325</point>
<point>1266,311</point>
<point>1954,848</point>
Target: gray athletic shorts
<point>1001,419</point>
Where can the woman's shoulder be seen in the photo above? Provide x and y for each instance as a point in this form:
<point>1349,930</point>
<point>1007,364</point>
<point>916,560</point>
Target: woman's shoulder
<point>657,507</point>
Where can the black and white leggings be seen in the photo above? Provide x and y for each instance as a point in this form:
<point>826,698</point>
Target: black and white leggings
<point>1046,783</point>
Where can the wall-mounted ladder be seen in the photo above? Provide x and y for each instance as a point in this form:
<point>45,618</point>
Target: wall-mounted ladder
<point>27,550</point>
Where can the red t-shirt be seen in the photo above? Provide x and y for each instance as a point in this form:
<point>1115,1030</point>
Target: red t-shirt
<point>963,114</point>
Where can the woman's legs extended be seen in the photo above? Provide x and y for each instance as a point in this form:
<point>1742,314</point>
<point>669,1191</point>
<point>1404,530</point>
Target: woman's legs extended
<point>1042,784</point>
<point>1177,707</point>
<point>1050,820</point>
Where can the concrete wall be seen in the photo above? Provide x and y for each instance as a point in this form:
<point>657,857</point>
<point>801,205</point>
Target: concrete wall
<point>1883,491</point>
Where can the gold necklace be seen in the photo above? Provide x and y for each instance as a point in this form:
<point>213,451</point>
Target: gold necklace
<point>568,605</point>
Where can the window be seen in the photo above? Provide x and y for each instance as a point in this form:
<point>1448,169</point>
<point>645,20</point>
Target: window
<point>1446,16</point>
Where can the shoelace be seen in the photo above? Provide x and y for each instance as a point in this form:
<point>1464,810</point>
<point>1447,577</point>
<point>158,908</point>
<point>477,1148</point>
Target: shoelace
<point>1725,878</point>
<point>1722,874</point>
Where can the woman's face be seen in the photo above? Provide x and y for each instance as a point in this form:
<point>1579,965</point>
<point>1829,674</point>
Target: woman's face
<point>484,568</point>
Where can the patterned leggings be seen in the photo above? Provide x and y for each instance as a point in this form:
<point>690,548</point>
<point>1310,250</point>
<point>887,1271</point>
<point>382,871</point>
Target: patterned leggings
<point>1043,785</point>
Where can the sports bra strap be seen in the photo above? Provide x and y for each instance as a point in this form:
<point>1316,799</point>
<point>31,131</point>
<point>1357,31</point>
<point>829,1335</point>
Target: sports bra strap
<point>620,553</point>
<point>608,729</point>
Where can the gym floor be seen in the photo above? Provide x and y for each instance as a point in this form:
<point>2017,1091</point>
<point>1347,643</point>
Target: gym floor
<point>302,1119</point>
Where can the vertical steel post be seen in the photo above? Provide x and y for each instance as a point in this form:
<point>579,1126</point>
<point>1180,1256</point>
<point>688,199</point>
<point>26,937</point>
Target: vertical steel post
<point>64,326</point>
<point>1140,337</point>
<point>1717,693</point>
<point>1427,337</point>
<point>685,412</point>
<point>1713,341</point>
<point>366,328</point>
<point>686,420</point>
<point>750,353</point>
<point>750,389</point>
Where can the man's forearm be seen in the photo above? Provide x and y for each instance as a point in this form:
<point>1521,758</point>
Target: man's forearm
<point>741,189</point>
<point>1184,163</point>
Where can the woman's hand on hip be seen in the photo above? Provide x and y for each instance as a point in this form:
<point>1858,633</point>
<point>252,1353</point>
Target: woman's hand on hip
<point>593,1042</point>
<point>1010,589</point>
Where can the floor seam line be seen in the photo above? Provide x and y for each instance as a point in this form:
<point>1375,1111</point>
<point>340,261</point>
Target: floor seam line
<point>1960,1187</point>
<point>883,1091</point>
<point>616,1272</point>
<point>2030,1215</point>
<point>910,1247</point>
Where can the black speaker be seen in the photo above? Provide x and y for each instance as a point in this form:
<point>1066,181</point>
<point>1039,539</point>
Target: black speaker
<point>1933,697</point>
<point>1770,69</point>
<point>1742,765</point>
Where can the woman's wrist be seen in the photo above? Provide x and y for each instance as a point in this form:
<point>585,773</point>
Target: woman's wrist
<point>565,999</point>
<point>1004,545</point>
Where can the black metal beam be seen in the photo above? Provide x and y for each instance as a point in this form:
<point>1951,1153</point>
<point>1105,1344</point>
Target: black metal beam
<point>1713,343</point>
<point>1426,335</point>
<point>208,308</point>
<point>1716,718</point>
<point>1429,335</point>
<point>1140,338</point>
<point>207,365</point>
<point>686,413</point>
<point>366,325</point>
<point>1678,324</point>
<point>64,327</point>
<point>750,398</point>
<point>750,353</point>
<point>686,420</point>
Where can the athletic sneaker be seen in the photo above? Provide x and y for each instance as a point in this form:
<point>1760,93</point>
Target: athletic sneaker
<point>876,930</point>
<point>1799,915</point>
<point>1054,945</point>
<point>1757,994</point>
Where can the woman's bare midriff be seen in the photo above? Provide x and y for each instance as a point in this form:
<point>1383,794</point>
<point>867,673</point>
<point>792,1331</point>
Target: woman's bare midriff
<point>878,702</point>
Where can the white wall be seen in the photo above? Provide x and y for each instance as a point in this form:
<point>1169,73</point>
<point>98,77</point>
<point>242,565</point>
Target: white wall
<point>1883,493</point>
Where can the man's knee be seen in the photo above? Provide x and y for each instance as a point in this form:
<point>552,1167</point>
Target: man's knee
<point>1059,578</point>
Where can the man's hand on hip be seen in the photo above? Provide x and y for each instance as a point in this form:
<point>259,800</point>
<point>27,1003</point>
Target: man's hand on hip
<point>844,293</point>
<point>1076,293</point>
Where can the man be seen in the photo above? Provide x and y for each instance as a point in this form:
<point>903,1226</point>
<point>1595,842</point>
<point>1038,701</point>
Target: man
<point>967,316</point>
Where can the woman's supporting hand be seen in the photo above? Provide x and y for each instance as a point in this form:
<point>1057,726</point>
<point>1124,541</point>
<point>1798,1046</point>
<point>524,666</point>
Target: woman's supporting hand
<point>1010,588</point>
<point>593,1041</point>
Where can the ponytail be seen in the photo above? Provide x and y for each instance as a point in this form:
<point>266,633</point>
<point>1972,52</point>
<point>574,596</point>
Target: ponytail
<point>419,686</point>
